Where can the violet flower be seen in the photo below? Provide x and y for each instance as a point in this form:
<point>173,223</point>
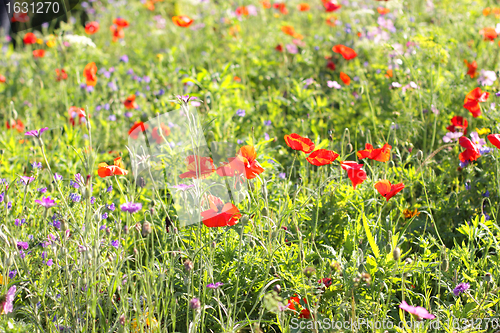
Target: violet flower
<point>8,304</point>
<point>36,133</point>
<point>131,207</point>
<point>26,180</point>
<point>46,202</point>
<point>461,288</point>
<point>215,285</point>
<point>417,311</point>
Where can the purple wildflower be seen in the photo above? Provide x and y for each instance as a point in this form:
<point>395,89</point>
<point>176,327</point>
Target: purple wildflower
<point>111,207</point>
<point>12,274</point>
<point>42,189</point>
<point>49,262</point>
<point>22,245</point>
<point>8,304</point>
<point>183,187</point>
<point>215,285</point>
<point>36,133</point>
<point>36,165</point>
<point>26,180</point>
<point>57,177</point>
<point>131,207</point>
<point>417,311</point>
<point>124,58</point>
<point>46,202</point>
<point>461,288</point>
<point>115,243</point>
<point>240,112</point>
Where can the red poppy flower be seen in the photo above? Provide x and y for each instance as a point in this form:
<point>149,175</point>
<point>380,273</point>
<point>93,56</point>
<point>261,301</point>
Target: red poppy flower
<point>494,139</point>
<point>489,34</point>
<point>354,171</point>
<point>236,79</point>
<point>76,113</point>
<point>138,127</point>
<point>2,78</point>
<point>381,154</point>
<point>61,74</point>
<point>90,74</point>
<point>289,30</point>
<point>248,156</point>
<point>322,157</point>
<point>105,170</point>
<point>327,282</point>
<point>266,4</point>
<point>15,124</point>
<point>473,99</point>
<point>472,67</point>
<point>120,22</point>
<point>29,38</point>
<point>297,142</point>
<point>388,190</point>
<point>471,152</point>
<point>389,73</point>
<point>330,65</point>
<point>91,28</point>
<point>199,167</point>
<point>458,124</point>
<point>294,305</point>
<point>38,53</point>
<point>20,17</point>
<point>220,214</point>
<point>345,51</point>
<point>182,21</point>
<point>331,6</point>
<point>383,10</point>
<point>130,102</point>
<point>242,11</point>
<point>345,78</point>
<point>157,136</point>
<point>118,33</point>
<point>281,6</point>
<point>279,48</point>
<point>304,7</point>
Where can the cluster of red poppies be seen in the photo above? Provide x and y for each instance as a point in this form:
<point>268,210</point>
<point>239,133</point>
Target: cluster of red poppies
<point>354,170</point>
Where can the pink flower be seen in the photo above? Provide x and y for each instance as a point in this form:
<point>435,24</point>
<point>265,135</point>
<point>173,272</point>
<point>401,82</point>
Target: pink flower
<point>8,304</point>
<point>291,48</point>
<point>417,311</point>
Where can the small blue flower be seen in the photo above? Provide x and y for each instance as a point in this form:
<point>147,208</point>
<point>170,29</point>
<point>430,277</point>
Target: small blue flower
<point>112,117</point>
<point>75,197</point>
<point>486,194</point>
<point>240,112</point>
<point>110,188</point>
<point>37,165</point>
<point>267,122</point>
<point>104,216</point>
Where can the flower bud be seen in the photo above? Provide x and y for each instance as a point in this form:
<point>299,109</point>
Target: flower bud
<point>277,288</point>
<point>445,265</point>
<point>188,265</point>
<point>146,229</point>
<point>141,182</point>
<point>125,229</point>
<point>396,253</point>
<point>194,304</point>
<point>264,211</point>
<point>309,272</point>
<point>122,320</point>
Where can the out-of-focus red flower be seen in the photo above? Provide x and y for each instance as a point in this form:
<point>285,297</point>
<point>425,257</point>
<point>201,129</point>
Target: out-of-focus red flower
<point>38,53</point>
<point>91,28</point>
<point>331,6</point>
<point>20,17</point>
<point>289,30</point>
<point>294,305</point>
<point>303,7</point>
<point>297,142</point>
<point>330,65</point>
<point>130,102</point>
<point>199,167</point>
<point>471,68</point>
<point>281,6</point>
<point>29,38</point>
<point>332,21</point>
<point>381,154</point>
<point>118,169</point>
<point>242,11</point>
<point>137,128</point>
<point>236,79</point>
<point>486,11</point>
<point>90,74</point>
<point>383,10</point>
<point>76,113</point>
<point>354,171</point>
<point>345,51</point>
<point>2,78</point>
<point>345,78</point>
<point>389,73</point>
<point>182,21</point>
<point>322,157</point>
<point>61,74</point>
<point>458,124</point>
<point>157,135</point>
<point>473,99</point>
<point>489,34</point>
<point>279,48</point>
<point>327,282</point>
<point>117,32</point>
<point>120,22</point>
<point>388,190</point>
<point>266,4</point>
<point>471,152</point>
<point>15,124</point>
<point>494,139</point>
<point>220,214</point>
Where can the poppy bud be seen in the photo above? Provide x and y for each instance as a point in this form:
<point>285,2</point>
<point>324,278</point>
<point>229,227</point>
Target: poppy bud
<point>488,278</point>
<point>277,288</point>
<point>264,211</point>
<point>396,253</point>
<point>141,182</point>
<point>244,219</point>
<point>10,261</point>
<point>264,191</point>
<point>420,155</point>
<point>349,147</point>
<point>445,265</point>
<point>188,265</point>
<point>309,271</point>
<point>272,270</point>
<point>146,229</point>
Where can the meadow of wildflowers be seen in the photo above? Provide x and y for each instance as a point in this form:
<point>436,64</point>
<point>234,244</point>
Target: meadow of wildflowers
<point>252,166</point>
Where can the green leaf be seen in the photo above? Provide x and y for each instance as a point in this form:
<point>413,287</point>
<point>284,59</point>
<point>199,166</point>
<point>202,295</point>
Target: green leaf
<point>371,240</point>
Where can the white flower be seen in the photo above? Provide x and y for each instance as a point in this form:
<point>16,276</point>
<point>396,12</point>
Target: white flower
<point>79,40</point>
<point>487,78</point>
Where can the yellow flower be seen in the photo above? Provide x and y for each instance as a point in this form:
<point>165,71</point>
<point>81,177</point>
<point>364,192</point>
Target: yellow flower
<point>150,324</point>
<point>408,214</point>
<point>160,56</point>
<point>39,41</point>
<point>483,131</point>
<point>51,43</point>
